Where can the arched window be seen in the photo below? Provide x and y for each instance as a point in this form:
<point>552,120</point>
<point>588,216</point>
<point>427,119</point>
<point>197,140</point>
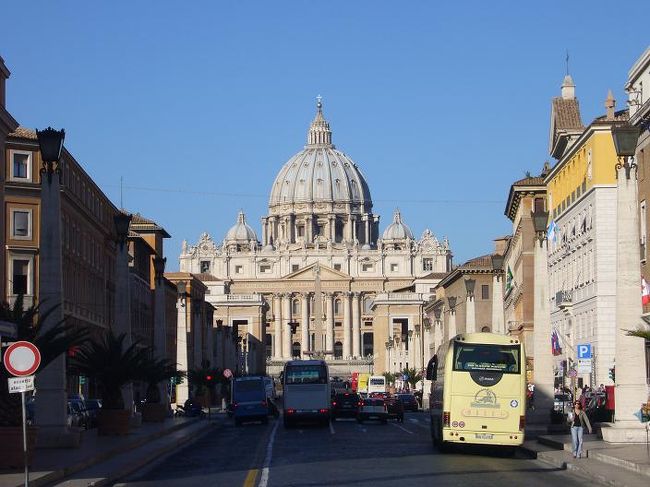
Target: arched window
<point>485,329</point>
<point>338,350</point>
<point>367,304</point>
<point>295,306</point>
<point>368,348</point>
<point>295,349</point>
<point>337,307</point>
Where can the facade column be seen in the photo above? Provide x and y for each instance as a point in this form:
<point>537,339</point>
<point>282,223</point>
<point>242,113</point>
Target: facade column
<point>354,228</point>
<point>264,232</point>
<point>329,331</point>
<point>51,404</point>
<point>196,327</point>
<point>347,326</point>
<point>309,228</point>
<point>286,329</point>
<point>498,320</point>
<point>277,327</point>
<point>305,346</point>
<point>182,390</point>
<point>631,389</point>
<point>451,331</point>
<point>356,326</point>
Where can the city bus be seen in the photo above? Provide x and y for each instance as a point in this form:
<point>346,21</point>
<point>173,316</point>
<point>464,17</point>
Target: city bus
<point>478,391</point>
<point>306,392</point>
<point>376,383</point>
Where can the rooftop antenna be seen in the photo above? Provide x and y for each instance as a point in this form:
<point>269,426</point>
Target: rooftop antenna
<point>567,62</point>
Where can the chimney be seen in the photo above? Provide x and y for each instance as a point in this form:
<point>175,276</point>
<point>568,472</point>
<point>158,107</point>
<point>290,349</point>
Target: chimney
<point>610,103</point>
<point>500,245</point>
<point>4,74</point>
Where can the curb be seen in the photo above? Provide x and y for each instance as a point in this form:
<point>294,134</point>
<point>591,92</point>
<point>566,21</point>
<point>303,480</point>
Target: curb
<point>60,474</point>
<point>620,462</point>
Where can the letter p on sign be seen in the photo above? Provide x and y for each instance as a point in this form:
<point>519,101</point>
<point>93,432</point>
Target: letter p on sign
<point>584,350</point>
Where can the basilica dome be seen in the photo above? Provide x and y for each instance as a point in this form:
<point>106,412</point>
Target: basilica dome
<point>398,230</point>
<point>241,232</point>
<point>320,173</point>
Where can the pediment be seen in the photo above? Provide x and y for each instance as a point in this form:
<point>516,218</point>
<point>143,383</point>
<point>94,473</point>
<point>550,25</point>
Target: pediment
<point>326,274</point>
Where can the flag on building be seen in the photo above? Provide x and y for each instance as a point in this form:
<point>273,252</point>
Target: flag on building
<point>645,291</point>
<point>556,349</point>
<point>551,233</point>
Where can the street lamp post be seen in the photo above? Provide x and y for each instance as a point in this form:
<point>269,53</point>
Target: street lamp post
<point>631,389</point>
<point>498,320</point>
<point>542,356</point>
<point>51,402</point>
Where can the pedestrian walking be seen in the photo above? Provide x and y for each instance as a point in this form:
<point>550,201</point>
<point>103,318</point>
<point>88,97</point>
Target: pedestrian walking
<point>578,420</point>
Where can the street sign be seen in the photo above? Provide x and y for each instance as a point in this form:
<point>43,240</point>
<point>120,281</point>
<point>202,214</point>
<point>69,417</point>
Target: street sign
<point>584,351</point>
<point>21,384</point>
<point>584,366</point>
<point>22,358</point>
<point>227,373</point>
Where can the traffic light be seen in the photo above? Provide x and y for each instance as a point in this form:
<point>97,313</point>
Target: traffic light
<point>612,374</point>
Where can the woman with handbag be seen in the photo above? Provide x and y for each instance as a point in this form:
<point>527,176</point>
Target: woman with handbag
<point>578,420</point>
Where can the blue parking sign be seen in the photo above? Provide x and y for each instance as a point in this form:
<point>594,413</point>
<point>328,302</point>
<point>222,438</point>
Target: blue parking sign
<point>584,350</point>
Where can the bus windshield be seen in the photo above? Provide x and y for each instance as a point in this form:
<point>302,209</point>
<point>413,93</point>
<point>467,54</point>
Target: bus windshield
<point>489,358</point>
<point>377,381</point>
<point>306,374</point>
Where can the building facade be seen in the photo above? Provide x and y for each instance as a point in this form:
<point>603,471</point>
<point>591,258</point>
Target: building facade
<point>581,198</point>
<point>308,286</point>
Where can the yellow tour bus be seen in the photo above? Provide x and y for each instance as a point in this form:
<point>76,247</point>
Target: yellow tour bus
<point>478,391</point>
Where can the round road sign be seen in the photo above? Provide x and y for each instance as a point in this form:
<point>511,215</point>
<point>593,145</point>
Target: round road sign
<point>227,373</point>
<point>22,358</point>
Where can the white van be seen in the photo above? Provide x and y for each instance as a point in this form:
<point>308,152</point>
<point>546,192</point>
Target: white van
<point>377,383</point>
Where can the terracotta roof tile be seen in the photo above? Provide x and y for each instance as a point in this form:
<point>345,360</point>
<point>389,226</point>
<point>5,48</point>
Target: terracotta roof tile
<point>484,261</point>
<point>24,133</point>
<point>530,181</point>
<point>567,114</point>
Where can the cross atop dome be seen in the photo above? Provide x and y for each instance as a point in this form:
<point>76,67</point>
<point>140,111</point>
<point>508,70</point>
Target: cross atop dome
<point>319,134</point>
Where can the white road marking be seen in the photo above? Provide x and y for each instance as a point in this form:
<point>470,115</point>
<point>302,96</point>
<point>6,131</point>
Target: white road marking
<point>264,478</point>
<point>403,429</point>
<point>413,420</point>
<point>331,428</point>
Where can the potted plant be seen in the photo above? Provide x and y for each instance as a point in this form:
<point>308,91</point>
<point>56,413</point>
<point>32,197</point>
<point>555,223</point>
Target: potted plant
<point>154,372</point>
<point>51,343</point>
<point>112,365</point>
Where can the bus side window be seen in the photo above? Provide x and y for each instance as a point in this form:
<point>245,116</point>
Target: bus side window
<point>432,368</point>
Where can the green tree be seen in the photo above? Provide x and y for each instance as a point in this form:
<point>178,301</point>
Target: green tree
<point>639,332</point>
<point>51,343</point>
<point>156,371</point>
<point>412,376</point>
<point>390,378</point>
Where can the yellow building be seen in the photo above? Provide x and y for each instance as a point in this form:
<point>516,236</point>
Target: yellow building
<point>581,199</point>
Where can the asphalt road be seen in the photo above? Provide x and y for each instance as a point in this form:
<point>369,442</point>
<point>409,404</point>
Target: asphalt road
<point>345,454</point>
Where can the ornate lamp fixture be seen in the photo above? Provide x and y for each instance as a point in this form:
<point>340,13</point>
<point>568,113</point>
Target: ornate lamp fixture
<point>625,137</point>
<point>50,142</point>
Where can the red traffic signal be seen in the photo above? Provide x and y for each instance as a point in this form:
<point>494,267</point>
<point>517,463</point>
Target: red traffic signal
<point>208,377</point>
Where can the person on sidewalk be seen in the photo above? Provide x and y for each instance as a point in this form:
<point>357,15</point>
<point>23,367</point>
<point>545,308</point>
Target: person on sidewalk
<point>578,420</point>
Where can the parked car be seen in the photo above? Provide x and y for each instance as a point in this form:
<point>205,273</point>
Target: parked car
<point>345,405</point>
<point>410,402</point>
<point>395,408</point>
<point>92,408</point>
<point>372,408</point>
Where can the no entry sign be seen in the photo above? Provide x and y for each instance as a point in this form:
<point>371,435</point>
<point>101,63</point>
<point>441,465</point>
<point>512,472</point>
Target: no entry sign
<point>22,358</point>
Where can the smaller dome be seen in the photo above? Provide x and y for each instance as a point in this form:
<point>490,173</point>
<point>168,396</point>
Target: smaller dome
<point>398,230</point>
<point>241,231</point>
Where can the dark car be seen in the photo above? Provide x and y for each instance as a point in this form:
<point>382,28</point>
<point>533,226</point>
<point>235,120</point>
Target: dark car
<point>409,401</point>
<point>92,408</point>
<point>372,408</point>
<point>345,405</point>
<point>395,408</point>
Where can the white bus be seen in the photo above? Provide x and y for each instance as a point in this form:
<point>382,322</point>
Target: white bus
<point>478,391</point>
<point>376,383</point>
<point>306,392</point>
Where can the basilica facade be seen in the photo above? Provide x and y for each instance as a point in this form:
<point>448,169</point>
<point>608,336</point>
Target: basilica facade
<point>322,281</point>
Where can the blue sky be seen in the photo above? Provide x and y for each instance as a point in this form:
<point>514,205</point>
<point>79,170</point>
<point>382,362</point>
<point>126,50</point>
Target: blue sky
<point>197,105</point>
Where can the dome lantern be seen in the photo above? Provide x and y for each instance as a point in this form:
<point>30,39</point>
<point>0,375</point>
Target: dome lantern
<point>319,134</point>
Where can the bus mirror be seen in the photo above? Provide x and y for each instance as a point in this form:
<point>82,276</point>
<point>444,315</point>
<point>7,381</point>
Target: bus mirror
<point>432,368</point>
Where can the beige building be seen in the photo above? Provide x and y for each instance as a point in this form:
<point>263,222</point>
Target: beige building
<point>321,281</point>
<point>519,263</point>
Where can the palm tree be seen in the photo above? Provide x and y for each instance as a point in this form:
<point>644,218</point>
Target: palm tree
<point>113,365</point>
<point>51,343</point>
<point>639,332</point>
<point>412,376</point>
<point>156,371</point>
<point>390,378</point>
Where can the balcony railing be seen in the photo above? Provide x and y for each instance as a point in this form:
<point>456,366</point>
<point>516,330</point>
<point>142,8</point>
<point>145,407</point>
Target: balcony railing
<point>564,299</point>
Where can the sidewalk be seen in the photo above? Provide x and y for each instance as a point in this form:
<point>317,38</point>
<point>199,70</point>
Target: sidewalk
<point>101,460</point>
<point>603,463</point>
